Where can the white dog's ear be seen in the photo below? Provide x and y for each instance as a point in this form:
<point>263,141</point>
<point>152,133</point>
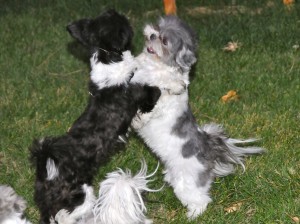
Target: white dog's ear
<point>185,58</point>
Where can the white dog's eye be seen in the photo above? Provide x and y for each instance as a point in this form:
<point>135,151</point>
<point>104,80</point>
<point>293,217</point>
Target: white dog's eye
<point>152,37</point>
<point>164,41</point>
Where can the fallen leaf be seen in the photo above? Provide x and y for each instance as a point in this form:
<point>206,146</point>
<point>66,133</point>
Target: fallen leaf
<point>232,46</point>
<point>230,96</point>
<point>234,207</point>
<point>295,219</point>
<point>292,171</point>
<point>296,46</point>
<point>288,2</point>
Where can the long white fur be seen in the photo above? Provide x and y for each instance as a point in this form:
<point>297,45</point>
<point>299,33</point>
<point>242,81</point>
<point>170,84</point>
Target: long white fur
<point>119,201</point>
<point>112,74</point>
<point>52,171</point>
<point>222,169</point>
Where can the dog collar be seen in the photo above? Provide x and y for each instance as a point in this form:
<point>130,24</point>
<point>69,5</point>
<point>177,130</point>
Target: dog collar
<point>109,52</point>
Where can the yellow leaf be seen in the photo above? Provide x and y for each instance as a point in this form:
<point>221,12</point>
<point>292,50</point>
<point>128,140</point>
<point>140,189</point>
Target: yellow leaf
<point>295,219</point>
<point>232,46</point>
<point>234,207</point>
<point>231,95</point>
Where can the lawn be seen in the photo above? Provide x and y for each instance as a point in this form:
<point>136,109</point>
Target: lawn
<point>43,89</point>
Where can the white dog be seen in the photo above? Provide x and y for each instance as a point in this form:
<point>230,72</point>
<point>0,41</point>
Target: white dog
<point>193,156</point>
<point>12,207</point>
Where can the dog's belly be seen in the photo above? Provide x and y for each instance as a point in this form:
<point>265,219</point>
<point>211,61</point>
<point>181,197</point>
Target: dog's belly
<point>158,131</point>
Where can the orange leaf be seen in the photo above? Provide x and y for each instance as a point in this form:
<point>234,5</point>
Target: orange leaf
<point>288,2</point>
<point>231,95</point>
<point>170,7</point>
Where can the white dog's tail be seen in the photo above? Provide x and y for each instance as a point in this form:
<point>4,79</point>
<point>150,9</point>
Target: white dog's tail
<point>120,199</point>
<point>227,149</point>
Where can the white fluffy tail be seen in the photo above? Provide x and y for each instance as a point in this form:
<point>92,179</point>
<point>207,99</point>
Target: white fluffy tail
<point>228,151</point>
<point>120,199</point>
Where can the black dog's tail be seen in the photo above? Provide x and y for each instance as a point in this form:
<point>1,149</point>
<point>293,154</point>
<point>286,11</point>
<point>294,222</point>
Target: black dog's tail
<point>228,151</point>
<point>42,158</point>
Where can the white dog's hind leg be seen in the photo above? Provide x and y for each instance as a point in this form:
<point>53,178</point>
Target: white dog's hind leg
<point>191,183</point>
<point>196,198</point>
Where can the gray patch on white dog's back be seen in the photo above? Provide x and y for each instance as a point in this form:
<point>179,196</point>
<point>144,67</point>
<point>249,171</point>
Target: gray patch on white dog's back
<point>197,143</point>
<point>185,124</point>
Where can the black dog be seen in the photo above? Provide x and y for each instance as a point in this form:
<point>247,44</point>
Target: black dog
<point>66,165</point>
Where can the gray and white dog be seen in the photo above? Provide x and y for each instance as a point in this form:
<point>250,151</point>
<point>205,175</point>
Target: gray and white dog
<point>12,207</point>
<point>193,156</point>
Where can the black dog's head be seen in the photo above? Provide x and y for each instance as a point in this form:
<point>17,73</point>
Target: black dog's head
<point>110,34</point>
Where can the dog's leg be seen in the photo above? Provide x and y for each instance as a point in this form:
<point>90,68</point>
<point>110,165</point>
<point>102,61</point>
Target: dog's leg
<point>64,217</point>
<point>191,184</point>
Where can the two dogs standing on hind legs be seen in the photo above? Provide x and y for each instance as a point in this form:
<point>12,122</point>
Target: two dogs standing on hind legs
<point>149,92</point>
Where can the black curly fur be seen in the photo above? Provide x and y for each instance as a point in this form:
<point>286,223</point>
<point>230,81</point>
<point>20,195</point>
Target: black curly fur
<point>93,137</point>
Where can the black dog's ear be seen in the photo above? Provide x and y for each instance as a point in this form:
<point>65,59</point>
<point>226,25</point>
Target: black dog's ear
<point>78,30</point>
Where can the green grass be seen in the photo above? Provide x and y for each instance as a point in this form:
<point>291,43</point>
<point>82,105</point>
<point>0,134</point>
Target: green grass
<point>43,89</point>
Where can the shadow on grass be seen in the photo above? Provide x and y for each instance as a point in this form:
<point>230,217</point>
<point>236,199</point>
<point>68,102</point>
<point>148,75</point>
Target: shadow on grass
<point>79,52</point>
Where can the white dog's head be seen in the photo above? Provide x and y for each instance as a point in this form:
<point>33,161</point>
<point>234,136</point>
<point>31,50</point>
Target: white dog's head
<point>172,41</point>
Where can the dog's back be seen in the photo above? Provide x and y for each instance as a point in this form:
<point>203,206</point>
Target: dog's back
<point>57,184</point>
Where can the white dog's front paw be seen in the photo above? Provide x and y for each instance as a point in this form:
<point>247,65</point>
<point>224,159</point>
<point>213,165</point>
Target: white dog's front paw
<point>196,209</point>
<point>63,217</point>
<point>130,63</point>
